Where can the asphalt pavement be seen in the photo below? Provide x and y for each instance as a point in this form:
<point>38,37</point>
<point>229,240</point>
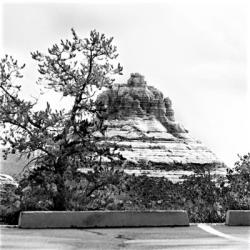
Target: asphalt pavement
<point>196,236</point>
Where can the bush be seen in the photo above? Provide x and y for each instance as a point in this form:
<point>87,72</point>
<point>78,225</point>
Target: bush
<point>197,194</point>
<point>236,185</point>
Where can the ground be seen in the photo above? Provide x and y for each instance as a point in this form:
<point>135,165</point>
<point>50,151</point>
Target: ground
<point>197,236</point>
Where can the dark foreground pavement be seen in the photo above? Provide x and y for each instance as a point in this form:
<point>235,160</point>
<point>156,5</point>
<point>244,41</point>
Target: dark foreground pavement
<point>200,236</point>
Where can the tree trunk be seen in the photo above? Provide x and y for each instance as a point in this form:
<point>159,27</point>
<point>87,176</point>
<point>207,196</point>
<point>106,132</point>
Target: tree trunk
<point>59,199</point>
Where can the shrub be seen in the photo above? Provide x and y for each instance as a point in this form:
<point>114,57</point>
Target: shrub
<point>236,185</point>
<point>199,195</point>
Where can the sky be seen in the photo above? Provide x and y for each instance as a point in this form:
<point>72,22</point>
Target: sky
<point>195,52</point>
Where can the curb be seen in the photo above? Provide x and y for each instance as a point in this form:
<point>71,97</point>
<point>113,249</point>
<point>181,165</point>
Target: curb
<point>238,218</point>
<point>102,219</point>
<point>207,223</point>
<point>8,226</point>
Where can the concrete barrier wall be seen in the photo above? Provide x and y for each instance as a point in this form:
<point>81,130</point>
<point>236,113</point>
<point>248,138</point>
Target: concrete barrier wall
<point>92,219</point>
<point>238,218</point>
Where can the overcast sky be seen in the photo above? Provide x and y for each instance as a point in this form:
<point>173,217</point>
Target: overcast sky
<point>195,53</point>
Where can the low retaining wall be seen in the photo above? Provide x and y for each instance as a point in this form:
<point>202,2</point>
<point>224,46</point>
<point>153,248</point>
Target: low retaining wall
<point>92,219</point>
<point>238,218</point>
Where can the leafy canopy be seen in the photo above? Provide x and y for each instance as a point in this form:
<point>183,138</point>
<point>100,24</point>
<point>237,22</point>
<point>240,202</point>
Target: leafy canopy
<point>76,68</point>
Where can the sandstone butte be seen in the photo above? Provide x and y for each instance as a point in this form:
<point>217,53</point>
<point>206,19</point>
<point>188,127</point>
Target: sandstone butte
<point>142,123</point>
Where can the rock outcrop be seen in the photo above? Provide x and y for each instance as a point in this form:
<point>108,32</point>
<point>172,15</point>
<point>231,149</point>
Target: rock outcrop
<point>138,99</point>
<point>141,121</point>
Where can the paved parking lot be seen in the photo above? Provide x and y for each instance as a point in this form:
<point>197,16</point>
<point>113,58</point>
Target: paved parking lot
<point>200,236</point>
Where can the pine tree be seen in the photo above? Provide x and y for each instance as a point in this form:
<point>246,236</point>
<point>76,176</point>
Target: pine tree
<point>61,140</point>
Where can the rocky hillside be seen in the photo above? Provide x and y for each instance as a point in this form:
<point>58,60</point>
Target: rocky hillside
<point>141,121</point>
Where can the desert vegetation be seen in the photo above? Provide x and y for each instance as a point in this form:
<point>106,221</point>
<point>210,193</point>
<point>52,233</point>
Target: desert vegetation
<point>205,197</point>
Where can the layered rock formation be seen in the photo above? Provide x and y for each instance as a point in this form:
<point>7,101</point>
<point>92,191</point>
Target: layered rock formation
<point>137,99</point>
<point>141,121</point>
